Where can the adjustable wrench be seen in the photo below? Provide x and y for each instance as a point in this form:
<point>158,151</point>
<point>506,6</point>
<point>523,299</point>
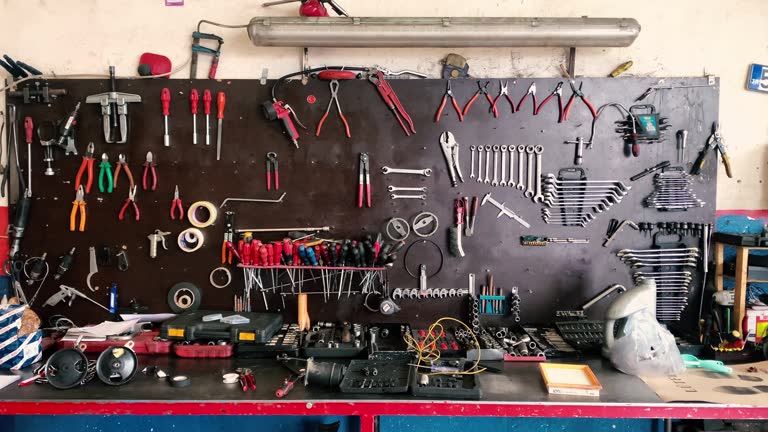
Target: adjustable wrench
<point>529,187</point>
<point>472,161</point>
<point>503,181</point>
<point>538,150</point>
<point>512,150</point>
<point>520,167</point>
<point>487,164</point>
<point>479,164</point>
<point>495,181</point>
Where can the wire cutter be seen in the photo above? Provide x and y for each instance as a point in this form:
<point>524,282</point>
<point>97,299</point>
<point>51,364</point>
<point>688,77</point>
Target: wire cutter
<point>105,168</point>
<point>715,142</point>
<point>272,171</point>
<point>86,163</point>
<point>451,152</point>
<point>122,164</point>
<point>176,204</point>
<point>132,202</point>
<point>559,93</point>
<point>503,92</point>
<point>532,92</point>
<point>149,166</point>
<point>334,85</point>
<point>364,182</point>
<point>376,77</point>
<point>484,90</point>
<point>78,204</point>
<point>448,93</point>
<point>578,94</point>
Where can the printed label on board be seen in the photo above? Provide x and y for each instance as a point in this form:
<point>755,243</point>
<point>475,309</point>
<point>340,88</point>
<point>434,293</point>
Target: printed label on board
<point>758,78</point>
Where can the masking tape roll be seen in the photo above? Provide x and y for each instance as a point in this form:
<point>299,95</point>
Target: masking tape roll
<point>192,214</point>
<point>190,240</point>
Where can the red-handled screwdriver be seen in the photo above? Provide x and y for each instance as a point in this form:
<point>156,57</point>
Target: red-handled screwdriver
<point>194,98</point>
<point>165,97</point>
<point>207,110</point>
<point>221,100</point>
<point>28,126</point>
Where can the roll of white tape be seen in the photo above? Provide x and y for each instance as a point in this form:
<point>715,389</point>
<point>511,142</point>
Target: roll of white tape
<point>191,239</point>
<point>192,214</point>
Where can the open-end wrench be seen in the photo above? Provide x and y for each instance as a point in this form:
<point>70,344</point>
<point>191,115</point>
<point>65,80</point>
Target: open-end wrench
<point>495,181</point>
<point>503,181</point>
<point>93,268</point>
<point>424,172</point>
<point>487,164</point>
<point>395,196</point>
<point>512,150</point>
<point>472,161</point>
<point>520,167</point>
<point>538,150</point>
<point>406,189</point>
<point>479,164</point>
<point>529,187</point>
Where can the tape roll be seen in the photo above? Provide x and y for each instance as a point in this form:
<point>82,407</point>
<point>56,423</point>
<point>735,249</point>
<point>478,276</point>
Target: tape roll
<point>227,273</point>
<point>192,214</point>
<point>230,378</point>
<point>190,240</point>
<point>179,381</point>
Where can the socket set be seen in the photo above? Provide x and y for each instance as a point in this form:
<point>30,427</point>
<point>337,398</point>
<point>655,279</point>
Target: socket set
<point>331,340</point>
<point>376,377</point>
<point>584,335</point>
<point>446,385</point>
<point>385,341</point>
<point>284,341</point>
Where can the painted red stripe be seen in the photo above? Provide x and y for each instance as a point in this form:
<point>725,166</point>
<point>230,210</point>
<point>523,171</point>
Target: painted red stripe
<point>755,214</point>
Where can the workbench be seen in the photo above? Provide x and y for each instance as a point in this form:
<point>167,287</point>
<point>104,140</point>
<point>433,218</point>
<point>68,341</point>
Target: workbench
<point>516,392</point>
<point>741,278</point>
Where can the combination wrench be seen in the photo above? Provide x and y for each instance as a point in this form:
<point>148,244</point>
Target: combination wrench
<point>520,167</point>
<point>538,150</point>
<point>495,181</point>
<point>406,189</point>
<point>487,164</point>
<point>512,150</point>
<point>424,172</point>
<point>472,161</point>
<point>503,181</point>
<point>395,196</point>
<point>529,189</point>
<point>479,164</point>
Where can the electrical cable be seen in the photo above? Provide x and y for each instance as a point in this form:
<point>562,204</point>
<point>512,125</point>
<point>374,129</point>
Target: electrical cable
<point>620,108</point>
<point>427,352</point>
<point>311,71</point>
<point>439,250</point>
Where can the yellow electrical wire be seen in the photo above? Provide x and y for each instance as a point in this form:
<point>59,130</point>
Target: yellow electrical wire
<point>427,350</point>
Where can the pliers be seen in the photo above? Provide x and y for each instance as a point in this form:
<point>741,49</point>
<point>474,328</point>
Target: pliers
<point>149,166</point>
<point>334,85</point>
<point>131,201</point>
<point>715,142</point>
<point>484,90</point>
<point>78,204</point>
<point>503,92</point>
<point>532,92</point>
<point>86,163</point>
<point>559,93</point>
<point>451,152</point>
<point>448,93</point>
<point>578,94</point>
<point>364,182</point>
<point>176,204</point>
<point>122,164</point>
<point>272,171</point>
<point>105,168</point>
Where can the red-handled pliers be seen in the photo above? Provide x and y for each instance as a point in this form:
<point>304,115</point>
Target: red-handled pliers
<point>334,85</point>
<point>364,182</point>
<point>272,171</point>
<point>484,90</point>
<point>448,94</point>
<point>131,201</point>
<point>86,163</point>
<point>559,93</point>
<point>149,166</point>
<point>503,92</point>
<point>532,92</point>
<point>578,94</point>
<point>176,204</point>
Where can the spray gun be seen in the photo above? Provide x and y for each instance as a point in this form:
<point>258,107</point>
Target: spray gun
<point>155,238</point>
<point>278,109</point>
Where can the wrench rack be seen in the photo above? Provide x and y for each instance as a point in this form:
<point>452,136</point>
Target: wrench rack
<point>286,280</point>
<point>576,202</point>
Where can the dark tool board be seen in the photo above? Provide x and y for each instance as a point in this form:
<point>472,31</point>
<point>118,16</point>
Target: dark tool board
<point>320,180</point>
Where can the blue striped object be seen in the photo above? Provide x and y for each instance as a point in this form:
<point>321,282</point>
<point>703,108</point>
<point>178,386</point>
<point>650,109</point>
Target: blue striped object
<point>17,351</point>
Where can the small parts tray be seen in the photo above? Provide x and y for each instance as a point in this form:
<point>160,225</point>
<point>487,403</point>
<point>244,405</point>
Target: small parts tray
<point>329,340</point>
<point>196,350</point>
<point>376,377</point>
<point>446,386</point>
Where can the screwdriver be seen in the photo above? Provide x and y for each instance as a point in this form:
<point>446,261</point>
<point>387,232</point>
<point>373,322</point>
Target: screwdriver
<point>28,126</point>
<point>194,98</point>
<point>207,108</point>
<point>165,97</point>
<point>221,100</point>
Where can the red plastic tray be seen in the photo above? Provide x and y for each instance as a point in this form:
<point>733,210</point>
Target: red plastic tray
<point>203,351</point>
<point>143,343</point>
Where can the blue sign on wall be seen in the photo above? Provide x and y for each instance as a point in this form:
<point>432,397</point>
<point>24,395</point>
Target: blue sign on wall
<point>758,78</point>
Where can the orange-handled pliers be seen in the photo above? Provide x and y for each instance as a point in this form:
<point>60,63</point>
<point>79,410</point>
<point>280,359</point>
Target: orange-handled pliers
<point>122,164</point>
<point>78,204</point>
<point>448,94</point>
<point>334,85</point>
<point>86,163</point>
<point>176,204</point>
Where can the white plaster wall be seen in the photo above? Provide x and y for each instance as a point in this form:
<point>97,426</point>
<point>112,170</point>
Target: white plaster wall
<point>679,37</point>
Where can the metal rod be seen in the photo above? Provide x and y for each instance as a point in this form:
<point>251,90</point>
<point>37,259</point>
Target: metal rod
<point>279,200</point>
<point>266,230</point>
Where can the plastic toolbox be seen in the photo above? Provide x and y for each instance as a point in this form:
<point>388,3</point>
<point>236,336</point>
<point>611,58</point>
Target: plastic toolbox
<point>196,350</point>
<point>285,341</point>
<point>190,326</point>
<point>376,377</point>
<point>143,343</point>
<point>446,386</point>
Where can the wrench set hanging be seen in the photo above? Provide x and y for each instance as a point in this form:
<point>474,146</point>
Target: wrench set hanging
<point>672,191</point>
<point>577,201</point>
<point>489,166</point>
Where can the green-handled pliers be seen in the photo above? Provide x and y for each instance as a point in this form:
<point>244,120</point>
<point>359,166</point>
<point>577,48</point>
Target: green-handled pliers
<point>105,168</point>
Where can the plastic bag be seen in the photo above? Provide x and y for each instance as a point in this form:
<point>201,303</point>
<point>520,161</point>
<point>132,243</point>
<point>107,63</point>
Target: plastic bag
<point>644,347</point>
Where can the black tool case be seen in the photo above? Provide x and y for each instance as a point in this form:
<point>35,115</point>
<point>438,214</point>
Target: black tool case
<point>190,326</point>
